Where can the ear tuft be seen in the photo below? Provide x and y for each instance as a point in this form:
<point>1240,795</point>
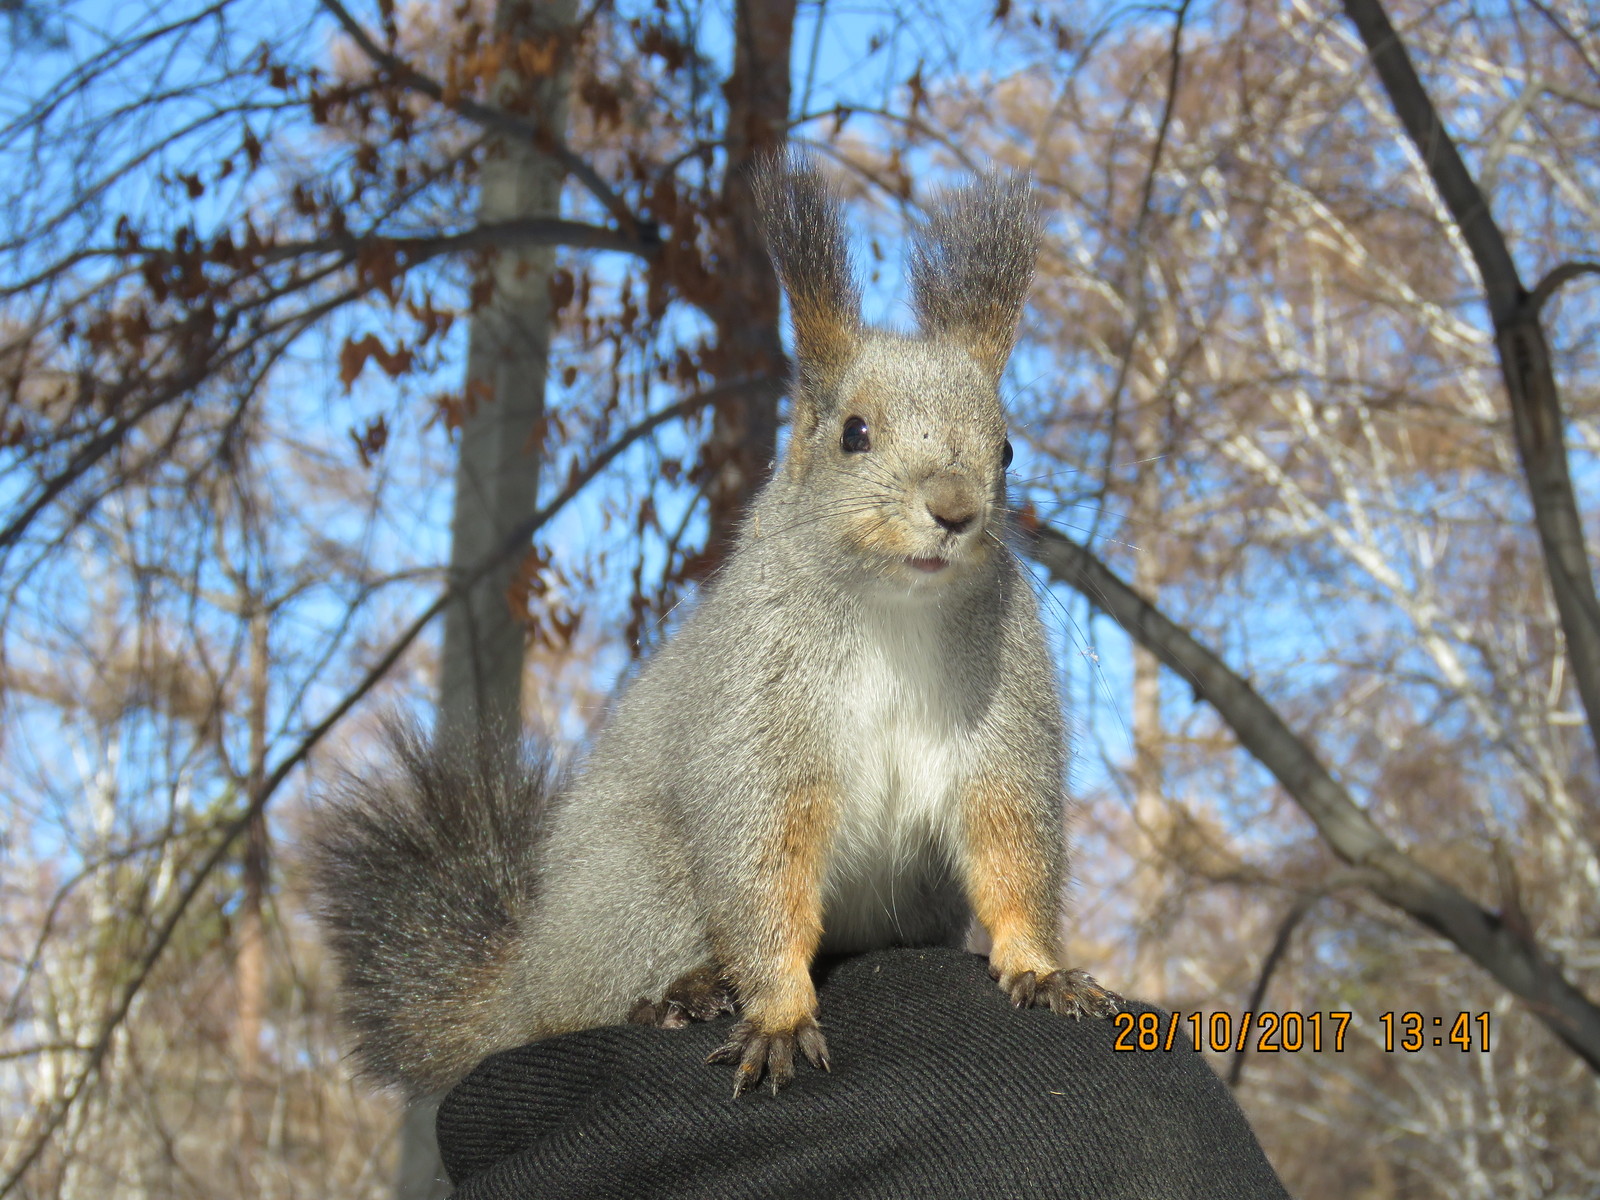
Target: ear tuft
<point>972,262</point>
<point>804,225</point>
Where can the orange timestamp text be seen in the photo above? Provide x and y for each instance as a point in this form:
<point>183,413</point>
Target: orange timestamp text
<point>1270,1032</point>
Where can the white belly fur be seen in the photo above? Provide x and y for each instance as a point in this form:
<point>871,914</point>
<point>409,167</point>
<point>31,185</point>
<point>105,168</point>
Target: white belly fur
<point>901,758</point>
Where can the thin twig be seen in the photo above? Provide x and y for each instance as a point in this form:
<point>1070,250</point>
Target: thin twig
<point>1258,994</point>
<point>1141,307</point>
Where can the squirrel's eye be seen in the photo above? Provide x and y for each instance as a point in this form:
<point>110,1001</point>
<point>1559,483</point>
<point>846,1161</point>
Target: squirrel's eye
<point>855,439</point>
<point>1005,456</point>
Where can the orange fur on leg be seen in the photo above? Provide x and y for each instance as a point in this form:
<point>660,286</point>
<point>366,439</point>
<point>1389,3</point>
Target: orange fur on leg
<point>1013,880</point>
<point>772,969</point>
<point>775,988</point>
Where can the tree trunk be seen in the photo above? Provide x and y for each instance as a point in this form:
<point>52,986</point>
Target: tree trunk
<point>250,962</point>
<point>497,472</point>
<point>1149,736</point>
<point>508,349</point>
<point>744,431</point>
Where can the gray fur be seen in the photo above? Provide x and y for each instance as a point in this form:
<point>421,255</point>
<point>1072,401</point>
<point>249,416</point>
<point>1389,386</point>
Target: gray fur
<point>424,872</point>
<point>806,235</point>
<point>822,652</point>
<point>811,252</point>
<point>972,262</point>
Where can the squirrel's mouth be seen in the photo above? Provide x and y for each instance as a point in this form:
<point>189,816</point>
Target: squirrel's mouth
<point>929,566</point>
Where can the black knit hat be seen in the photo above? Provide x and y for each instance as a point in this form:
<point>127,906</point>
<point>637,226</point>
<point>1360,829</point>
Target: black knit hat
<point>938,1089</point>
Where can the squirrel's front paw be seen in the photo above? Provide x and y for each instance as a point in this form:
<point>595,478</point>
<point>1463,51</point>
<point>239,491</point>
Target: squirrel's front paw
<point>698,995</point>
<point>1070,993</point>
<point>771,1053</point>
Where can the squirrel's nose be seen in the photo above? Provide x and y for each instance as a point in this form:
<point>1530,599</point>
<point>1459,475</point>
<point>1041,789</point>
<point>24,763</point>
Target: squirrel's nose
<point>954,522</point>
<point>951,503</point>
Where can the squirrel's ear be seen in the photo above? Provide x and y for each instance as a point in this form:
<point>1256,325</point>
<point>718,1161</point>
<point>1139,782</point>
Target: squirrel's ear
<point>805,232</point>
<point>972,262</point>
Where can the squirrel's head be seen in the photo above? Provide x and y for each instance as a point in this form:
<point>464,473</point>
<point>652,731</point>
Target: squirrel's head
<point>902,438</point>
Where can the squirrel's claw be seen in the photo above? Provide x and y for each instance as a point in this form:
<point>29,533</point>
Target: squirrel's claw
<point>771,1054</point>
<point>1071,993</point>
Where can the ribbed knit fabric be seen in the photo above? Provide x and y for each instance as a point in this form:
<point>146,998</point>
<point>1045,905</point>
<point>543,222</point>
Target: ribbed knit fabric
<point>938,1089</point>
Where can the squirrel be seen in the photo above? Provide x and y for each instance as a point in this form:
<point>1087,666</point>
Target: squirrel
<point>854,739</point>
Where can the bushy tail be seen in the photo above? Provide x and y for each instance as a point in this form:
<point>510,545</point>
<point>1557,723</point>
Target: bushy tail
<point>423,874</point>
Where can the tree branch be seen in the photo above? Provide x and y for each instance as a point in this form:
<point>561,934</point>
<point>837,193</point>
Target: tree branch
<point>1537,422</point>
<point>519,232</point>
<point>525,231</point>
<point>1514,960</point>
<point>1456,187</point>
<point>497,120</point>
<point>1557,278</point>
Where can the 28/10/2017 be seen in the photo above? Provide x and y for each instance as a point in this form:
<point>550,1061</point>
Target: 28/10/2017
<point>1271,1032</point>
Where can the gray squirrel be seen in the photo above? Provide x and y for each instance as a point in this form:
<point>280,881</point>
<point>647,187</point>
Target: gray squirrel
<point>854,740</point>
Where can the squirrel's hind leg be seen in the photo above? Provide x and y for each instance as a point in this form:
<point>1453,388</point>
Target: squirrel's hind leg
<point>702,994</point>
<point>706,993</point>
